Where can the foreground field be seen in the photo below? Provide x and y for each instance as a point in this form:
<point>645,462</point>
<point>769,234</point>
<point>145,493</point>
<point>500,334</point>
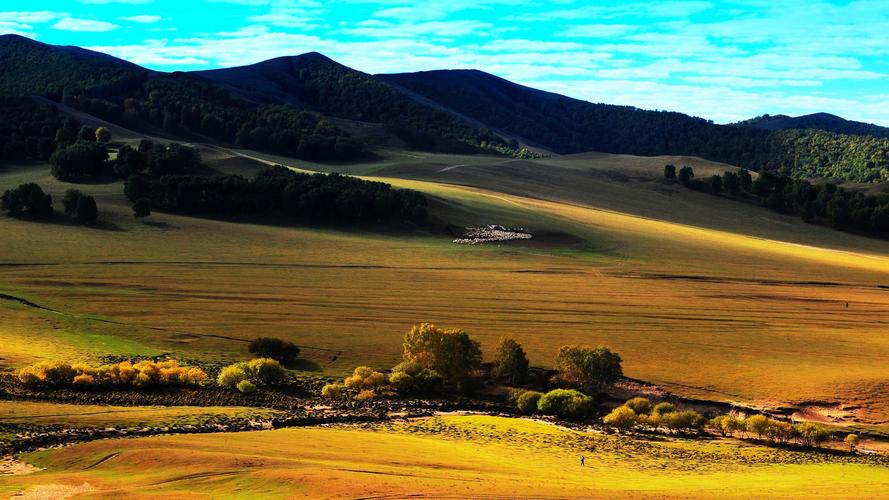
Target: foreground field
<point>758,308</point>
<point>451,457</point>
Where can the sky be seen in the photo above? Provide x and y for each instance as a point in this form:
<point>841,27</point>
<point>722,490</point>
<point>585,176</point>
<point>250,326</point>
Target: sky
<point>721,60</point>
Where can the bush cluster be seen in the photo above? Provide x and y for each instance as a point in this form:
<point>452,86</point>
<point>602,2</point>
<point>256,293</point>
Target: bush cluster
<point>566,403</point>
<point>125,373</point>
<point>257,372</point>
<point>27,200</point>
<point>639,412</point>
<point>80,206</point>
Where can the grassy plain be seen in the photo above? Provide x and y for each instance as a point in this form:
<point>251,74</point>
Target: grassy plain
<point>450,457</point>
<point>706,296</point>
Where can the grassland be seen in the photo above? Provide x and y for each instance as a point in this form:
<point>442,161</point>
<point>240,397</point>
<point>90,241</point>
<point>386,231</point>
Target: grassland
<point>450,457</point>
<point>706,296</point>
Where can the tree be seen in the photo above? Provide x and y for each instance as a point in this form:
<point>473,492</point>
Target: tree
<point>731,183</point>
<point>142,208</point>
<point>86,211</point>
<point>103,135</point>
<point>745,180</point>
<point>622,417</point>
<point>811,434</point>
<point>670,172</point>
<point>587,368</point>
<point>715,184</point>
<point>852,441</point>
<point>686,174</point>
<point>137,187</point>
<point>451,353</point>
<point>267,347</point>
<point>69,201</point>
<point>758,424</point>
<point>510,361</point>
<point>27,199</point>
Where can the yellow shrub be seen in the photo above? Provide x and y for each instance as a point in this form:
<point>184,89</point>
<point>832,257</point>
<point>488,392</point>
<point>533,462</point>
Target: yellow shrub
<point>365,395</point>
<point>365,378</point>
<point>84,380</point>
<point>332,391</point>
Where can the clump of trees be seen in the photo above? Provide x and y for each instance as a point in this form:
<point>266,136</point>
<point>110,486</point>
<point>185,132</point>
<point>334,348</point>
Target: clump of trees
<point>451,353</point>
<point>278,191</point>
<point>639,412</point>
<point>587,368</point>
<point>567,403</point>
<point>823,202</point>
<point>246,376</point>
<point>27,200</point>
<point>80,161</point>
<point>156,160</point>
<point>277,349</point>
<point>124,374</point>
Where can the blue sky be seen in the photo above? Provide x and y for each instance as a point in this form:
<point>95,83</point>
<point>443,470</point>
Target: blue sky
<point>722,60</point>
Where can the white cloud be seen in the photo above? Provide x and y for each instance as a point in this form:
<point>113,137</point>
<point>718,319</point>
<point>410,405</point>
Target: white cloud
<point>86,25</point>
<point>143,19</point>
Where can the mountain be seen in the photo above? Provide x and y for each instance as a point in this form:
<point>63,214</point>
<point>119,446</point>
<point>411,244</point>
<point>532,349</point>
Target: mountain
<point>818,121</point>
<point>314,108</point>
<point>314,81</point>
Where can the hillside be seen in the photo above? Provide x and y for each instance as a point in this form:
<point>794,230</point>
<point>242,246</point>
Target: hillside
<point>818,121</point>
<point>321,84</point>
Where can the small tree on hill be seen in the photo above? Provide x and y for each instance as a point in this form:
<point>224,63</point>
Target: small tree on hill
<point>592,369</point>
<point>686,174</point>
<point>715,184</point>
<point>510,362</point>
<point>86,211</point>
<point>852,441</point>
<point>745,180</point>
<point>730,182</point>
<point>670,172</point>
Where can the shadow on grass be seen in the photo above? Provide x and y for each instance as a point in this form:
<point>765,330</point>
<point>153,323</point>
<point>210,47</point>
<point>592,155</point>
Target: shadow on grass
<point>304,365</point>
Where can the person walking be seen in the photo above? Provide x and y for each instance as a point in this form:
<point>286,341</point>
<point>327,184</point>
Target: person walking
<point>582,460</point>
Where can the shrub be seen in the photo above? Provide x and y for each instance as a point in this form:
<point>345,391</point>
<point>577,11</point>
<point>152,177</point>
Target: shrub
<point>103,135</point>
<point>662,408</point>
<point>232,375</point>
<point>686,420</point>
<point>412,378</point>
<point>528,401</point>
<point>332,391</point>
<point>566,403</point>
<point>365,378</point>
<point>852,441</point>
<point>79,161</point>
<point>265,370</point>
<point>27,199</point>
<point>366,394</point>
<point>267,347</point>
<point>587,368</point>
<point>142,207</point>
<point>81,206</point>
<point>69,201</point>
<point>511,362</point>
<point>453,354</point>
<point>143,373</point>
<point>622,417</point>
<point>246,387</point>
<point>639,405</point>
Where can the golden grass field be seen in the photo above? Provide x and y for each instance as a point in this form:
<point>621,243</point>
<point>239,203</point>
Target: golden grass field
<point>705,296</point>
<point>449,457</point>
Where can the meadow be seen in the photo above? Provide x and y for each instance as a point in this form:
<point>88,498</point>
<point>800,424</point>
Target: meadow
<point>705,296</point>
<point>447,457</point>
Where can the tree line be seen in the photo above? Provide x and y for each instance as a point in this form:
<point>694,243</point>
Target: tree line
<point>278,191</point>
<point>823,202</point>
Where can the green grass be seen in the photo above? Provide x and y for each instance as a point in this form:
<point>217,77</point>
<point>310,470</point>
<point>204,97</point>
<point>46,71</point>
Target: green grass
<point>451,456</point>
<point>706,296</point>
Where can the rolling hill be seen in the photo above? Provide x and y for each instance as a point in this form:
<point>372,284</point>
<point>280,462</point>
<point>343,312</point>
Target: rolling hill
<point>818,121</point>
<point>314,108</point>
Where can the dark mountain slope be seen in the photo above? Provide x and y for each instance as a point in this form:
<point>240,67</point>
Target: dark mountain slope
<point>818,121</point>
<point>317,82</point>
